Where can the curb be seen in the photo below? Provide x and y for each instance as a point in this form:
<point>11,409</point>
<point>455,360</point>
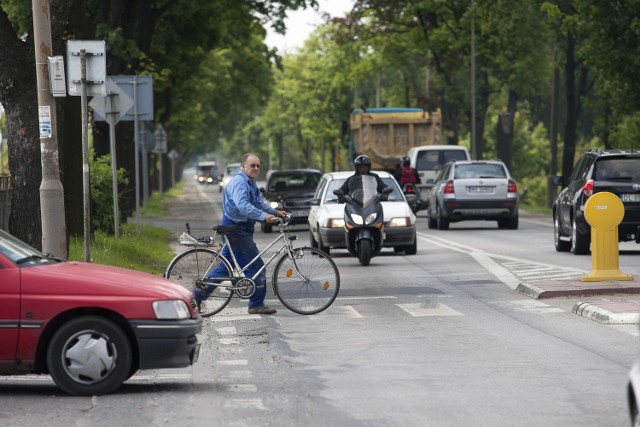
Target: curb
<point>572,288</point>
<point>607,311</point>
<point>601,315</point>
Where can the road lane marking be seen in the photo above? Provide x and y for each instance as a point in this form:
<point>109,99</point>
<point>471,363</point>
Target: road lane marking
<point>421,310</point>
<point>244,404</point>
<point>236,362</point>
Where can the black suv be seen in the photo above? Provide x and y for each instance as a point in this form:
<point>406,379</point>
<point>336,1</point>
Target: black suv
<point>615,171</point>
<point>292,191</point>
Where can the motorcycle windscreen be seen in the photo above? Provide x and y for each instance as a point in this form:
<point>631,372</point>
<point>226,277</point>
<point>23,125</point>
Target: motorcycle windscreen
<point>363,189</point>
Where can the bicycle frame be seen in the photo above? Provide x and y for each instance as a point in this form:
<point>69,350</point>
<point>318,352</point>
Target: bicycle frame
<point>287,243</point>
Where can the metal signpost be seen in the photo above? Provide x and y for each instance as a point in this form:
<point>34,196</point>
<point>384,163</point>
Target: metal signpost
<point>140,90</point>
<point>161,147</point>
<point>87,68</point>
<point>173,156</point>
<point>112,107</point>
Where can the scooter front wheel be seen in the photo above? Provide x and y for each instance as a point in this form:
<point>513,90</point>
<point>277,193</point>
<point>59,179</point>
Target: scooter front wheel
<point>364,254</point>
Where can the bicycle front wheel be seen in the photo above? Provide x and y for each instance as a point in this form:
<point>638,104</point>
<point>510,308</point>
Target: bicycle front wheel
<point>189,268</point>
<point>308,283</point>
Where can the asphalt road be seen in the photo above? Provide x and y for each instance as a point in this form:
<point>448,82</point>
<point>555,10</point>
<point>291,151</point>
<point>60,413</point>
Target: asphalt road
<point>440,338</point>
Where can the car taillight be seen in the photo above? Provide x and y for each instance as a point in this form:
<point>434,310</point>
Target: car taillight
<point>512,187</point>
<point>587,188</point>
<point>409,189</point>
<point>448,188</point>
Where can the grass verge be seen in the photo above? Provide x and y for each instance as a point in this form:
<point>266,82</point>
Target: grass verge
<point>148,251</point>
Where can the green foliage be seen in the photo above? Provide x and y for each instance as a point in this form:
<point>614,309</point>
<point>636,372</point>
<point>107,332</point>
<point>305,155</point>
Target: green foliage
<point>101,180</point>
<point>626,134</point>
<point>148,251</point>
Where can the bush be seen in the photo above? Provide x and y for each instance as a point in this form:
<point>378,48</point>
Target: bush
<point>102,193</point>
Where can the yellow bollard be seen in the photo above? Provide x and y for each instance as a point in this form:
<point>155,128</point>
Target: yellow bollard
<point>604,212</point>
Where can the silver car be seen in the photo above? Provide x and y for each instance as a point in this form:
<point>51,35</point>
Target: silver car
<point>473,190</point>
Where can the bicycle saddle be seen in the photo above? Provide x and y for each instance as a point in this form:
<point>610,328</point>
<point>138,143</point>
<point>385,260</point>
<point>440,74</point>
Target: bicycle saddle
<point>223,229</point>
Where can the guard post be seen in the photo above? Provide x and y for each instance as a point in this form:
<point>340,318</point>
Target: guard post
<point>604,212</point>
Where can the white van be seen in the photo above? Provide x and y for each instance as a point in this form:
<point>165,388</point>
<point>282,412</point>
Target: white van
<point>429,159</point>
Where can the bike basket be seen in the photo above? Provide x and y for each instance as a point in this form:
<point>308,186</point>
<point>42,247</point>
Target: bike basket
<point>188,240</point>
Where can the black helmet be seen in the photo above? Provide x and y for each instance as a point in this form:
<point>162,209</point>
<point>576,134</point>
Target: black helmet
<point>406,161</point>
<point>362,160</point>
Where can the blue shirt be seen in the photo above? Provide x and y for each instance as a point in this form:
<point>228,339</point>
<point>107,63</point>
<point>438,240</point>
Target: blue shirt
<point>243,201</point>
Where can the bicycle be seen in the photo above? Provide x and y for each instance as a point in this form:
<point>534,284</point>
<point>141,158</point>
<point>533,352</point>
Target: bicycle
<point>305,279</point>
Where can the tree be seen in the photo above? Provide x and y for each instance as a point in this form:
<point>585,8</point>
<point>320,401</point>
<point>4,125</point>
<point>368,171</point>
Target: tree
<point>130,28</point>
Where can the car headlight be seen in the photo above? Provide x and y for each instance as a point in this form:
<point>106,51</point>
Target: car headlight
<point>370,218</point>
<point>274,205</point>
<point>400,222</point>
<point>335,223</point>
<point>171,309</point>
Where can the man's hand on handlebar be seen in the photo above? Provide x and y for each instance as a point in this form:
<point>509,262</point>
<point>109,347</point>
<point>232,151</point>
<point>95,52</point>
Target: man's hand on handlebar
<point>273,219</point>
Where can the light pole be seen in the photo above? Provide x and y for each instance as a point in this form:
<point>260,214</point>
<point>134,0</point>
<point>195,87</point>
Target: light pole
<point>474,147</point>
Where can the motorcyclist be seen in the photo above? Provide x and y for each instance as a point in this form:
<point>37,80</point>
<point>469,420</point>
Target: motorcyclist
<point>405,174</point>
<point>362,166</point>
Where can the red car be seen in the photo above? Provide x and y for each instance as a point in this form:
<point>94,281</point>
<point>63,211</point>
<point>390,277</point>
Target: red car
<point>89,326</point>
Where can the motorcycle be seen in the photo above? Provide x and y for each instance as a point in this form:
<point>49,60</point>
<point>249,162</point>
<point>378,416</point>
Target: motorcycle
<point>412,194</point>
<point>363,217</point>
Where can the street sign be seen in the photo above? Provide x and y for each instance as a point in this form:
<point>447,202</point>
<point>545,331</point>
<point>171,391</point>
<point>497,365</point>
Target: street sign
<point>173,155</point>
<point>117,102</point>
<point>161,139</point>
<point>57,83</point>
<point>96,64</point>
<point>140,89</point>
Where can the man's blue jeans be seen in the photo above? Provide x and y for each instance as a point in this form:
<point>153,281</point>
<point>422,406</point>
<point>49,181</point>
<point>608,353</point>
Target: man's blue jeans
<point>244,249</point>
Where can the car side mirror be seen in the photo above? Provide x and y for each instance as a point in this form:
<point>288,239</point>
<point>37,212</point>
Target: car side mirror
<point>338,193</point>
<point>387,190</point>
<point>558,180</point>
<point>262,190</point>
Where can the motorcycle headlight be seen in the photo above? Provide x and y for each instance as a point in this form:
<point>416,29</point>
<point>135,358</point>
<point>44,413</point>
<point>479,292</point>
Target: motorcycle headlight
<point>370,219</point>
<point>274,205</point>
<point>357,219</point>
<point>400,222</point>
<point>174,309</point>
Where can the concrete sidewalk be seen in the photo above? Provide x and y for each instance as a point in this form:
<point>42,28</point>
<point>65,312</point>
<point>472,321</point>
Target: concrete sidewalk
<point>610,301</point>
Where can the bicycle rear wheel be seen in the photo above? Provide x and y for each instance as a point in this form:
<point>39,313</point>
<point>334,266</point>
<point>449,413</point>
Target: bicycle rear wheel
<point>318,287</point>
<point>190,266</point>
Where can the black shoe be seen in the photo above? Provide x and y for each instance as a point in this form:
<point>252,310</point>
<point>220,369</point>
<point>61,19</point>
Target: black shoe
<point>263,309</point>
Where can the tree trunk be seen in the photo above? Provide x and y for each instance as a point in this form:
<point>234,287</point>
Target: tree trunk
<point>19,97</point>
<point>569,149</point>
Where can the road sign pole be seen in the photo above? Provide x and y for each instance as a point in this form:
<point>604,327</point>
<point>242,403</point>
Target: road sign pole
<point>135,141</point>
<point>85,156</point>
<point>112,114</point>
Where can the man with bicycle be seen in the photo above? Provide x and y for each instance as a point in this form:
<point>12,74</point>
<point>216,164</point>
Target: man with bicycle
<point>243,206</point>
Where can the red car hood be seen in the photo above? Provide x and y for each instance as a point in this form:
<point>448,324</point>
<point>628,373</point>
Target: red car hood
<point>81,278</point>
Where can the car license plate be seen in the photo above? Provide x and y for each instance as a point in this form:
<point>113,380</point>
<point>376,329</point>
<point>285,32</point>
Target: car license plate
<point>299,213</point>
<point>480,189</point>
<point>630,197</point>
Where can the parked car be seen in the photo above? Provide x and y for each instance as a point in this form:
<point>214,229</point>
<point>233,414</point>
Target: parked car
<point>291,190</point>
<point>614,171</point>
<point>230,171</point>
<point>473,190</point>
<point>326,218</point>
<point>89,326</point>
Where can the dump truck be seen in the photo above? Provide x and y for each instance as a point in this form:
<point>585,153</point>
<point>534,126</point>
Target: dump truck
<point>387,134</point>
